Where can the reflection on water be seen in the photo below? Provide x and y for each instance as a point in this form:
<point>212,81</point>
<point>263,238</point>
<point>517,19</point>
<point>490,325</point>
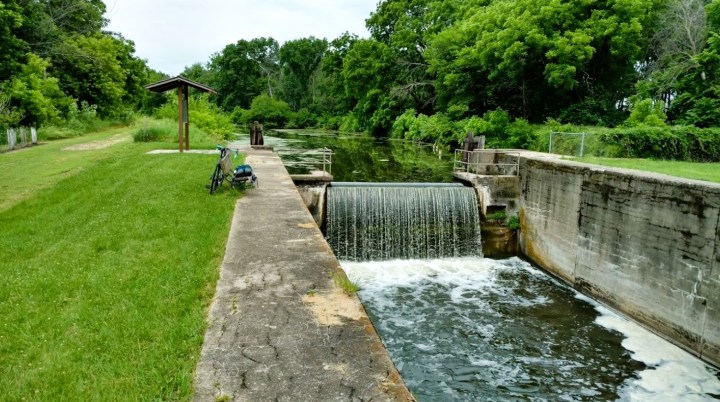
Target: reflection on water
<point>473,329</point>
<point>364,159</point>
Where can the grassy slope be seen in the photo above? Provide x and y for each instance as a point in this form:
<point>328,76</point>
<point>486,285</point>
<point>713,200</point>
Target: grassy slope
<point>689,170</point>
<point>24,172</point>
<point>107,273</point>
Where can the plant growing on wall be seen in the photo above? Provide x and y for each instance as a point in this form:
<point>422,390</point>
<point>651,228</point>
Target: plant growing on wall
<point>514,223</point>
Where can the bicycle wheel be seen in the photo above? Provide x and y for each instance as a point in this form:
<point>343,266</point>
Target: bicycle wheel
<point>215,179</point>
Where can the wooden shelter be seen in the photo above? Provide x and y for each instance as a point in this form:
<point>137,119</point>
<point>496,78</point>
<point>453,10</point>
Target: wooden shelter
<point>181,84</point>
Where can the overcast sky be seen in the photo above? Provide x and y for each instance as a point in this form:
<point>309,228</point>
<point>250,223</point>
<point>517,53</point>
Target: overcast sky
<point>173,34</point>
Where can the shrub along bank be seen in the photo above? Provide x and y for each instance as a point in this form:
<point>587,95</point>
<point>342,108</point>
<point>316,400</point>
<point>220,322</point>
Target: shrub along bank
<point>681,143</point>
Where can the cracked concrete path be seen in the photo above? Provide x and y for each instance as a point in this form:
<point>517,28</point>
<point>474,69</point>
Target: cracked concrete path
<point>279,329</point>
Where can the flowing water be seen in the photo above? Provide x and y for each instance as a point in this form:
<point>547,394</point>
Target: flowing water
<point>379,222</point>
<point>467,328</point>
<point>474,329</point>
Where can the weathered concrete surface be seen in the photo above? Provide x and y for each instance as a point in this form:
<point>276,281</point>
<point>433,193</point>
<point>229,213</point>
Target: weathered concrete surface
<point>494,191</point>
<point>499,241</point>
<point>646,244</point>
<point>549,216</point>
<point>314,197</point>
<point>278,328</point>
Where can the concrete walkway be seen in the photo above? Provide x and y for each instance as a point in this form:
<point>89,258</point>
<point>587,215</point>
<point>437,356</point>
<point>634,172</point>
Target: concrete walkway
<point>279,327</point>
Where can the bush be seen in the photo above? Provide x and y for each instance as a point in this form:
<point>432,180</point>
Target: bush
<point>646,112</point>
<point>519,135</point>
<point>402,124</point>
<point>498,130</point>
<point>272,113</point>
<point>155,133</point>
<point>685,143</point>
<point>594,111</point>
<point>79,121</point>
<point>303,118</point>
<point>330,122</point>
<point>439,128</point>
<point>166,130</point>
<point>349,124</point>
<point>203,115</point>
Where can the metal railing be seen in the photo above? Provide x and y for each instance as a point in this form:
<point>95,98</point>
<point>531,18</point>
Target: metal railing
<point>492,162</point>
<point>312,160</point>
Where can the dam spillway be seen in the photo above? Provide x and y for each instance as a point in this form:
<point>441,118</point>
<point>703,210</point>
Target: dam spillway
<point>368,221</point>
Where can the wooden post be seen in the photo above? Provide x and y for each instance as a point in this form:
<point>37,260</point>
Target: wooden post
<point>187,136</point>
<point>180,118</point>
<point>186,116</point>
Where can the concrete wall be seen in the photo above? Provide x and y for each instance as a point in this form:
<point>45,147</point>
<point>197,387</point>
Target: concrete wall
<point>647,245</point>
<point>494,191</point>
<point>314,196</point>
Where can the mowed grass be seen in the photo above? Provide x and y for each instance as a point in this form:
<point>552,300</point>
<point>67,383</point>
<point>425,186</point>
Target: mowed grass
<point>25,171</point>
<point>106,275</point>
<point>688,170</point>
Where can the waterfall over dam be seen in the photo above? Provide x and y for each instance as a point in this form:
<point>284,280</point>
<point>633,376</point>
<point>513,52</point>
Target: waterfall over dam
<point>384,221</point>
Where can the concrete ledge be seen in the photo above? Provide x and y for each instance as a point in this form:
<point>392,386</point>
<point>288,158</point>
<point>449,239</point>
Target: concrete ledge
<point>309,179</point>
<point>279,328</point>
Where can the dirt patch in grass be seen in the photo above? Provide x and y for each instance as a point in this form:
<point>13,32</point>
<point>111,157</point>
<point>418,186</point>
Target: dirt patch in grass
<point>100,144</point>
<point>329,307</point>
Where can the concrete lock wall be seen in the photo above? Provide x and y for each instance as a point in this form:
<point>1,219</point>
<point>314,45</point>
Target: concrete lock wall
<point>647,245</point>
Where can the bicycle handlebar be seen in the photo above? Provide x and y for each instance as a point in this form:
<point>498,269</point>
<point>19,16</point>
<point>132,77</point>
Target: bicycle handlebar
<point>222,148</point>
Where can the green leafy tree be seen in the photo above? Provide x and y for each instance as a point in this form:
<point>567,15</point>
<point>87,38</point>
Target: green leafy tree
<point>244,70</point>
<point>698,99</point>
<point>35,95</point>
<point>12,48</point>
<point>646,112</point>
<point>152,100</point>
<point>368,69</point>
<point>407,26</point>
<point>89,70</point>
<point>535,58</point>
<point>331,81</point>
<point>198,73</point>
<point>300,60</point>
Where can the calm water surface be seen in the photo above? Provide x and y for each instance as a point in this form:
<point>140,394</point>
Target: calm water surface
<point>362,158</point>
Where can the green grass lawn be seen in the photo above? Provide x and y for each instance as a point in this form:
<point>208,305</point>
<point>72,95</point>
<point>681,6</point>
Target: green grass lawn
<point>108,260</point>
<point>688,170</point>
<point>24,172</point>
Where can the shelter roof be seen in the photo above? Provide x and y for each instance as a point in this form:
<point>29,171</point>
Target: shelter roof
<point>172,83</point>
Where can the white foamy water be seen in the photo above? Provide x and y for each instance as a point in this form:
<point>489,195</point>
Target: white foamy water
<point>672,374</point>
<point>477,329</point>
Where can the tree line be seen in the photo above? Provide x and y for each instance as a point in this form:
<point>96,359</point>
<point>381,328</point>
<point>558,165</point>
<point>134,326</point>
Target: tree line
<point>582,62</point>
<point>429,70</point>
<point>58,64</point>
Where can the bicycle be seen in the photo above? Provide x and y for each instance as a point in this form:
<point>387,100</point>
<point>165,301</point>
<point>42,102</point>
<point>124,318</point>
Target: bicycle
<point>224,172</point>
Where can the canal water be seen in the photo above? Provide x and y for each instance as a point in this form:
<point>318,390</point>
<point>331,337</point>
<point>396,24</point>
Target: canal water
<point>361,158</point>
<point>475,329</point>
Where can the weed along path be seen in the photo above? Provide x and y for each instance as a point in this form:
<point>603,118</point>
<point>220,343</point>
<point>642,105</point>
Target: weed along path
<point>279,327</point>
